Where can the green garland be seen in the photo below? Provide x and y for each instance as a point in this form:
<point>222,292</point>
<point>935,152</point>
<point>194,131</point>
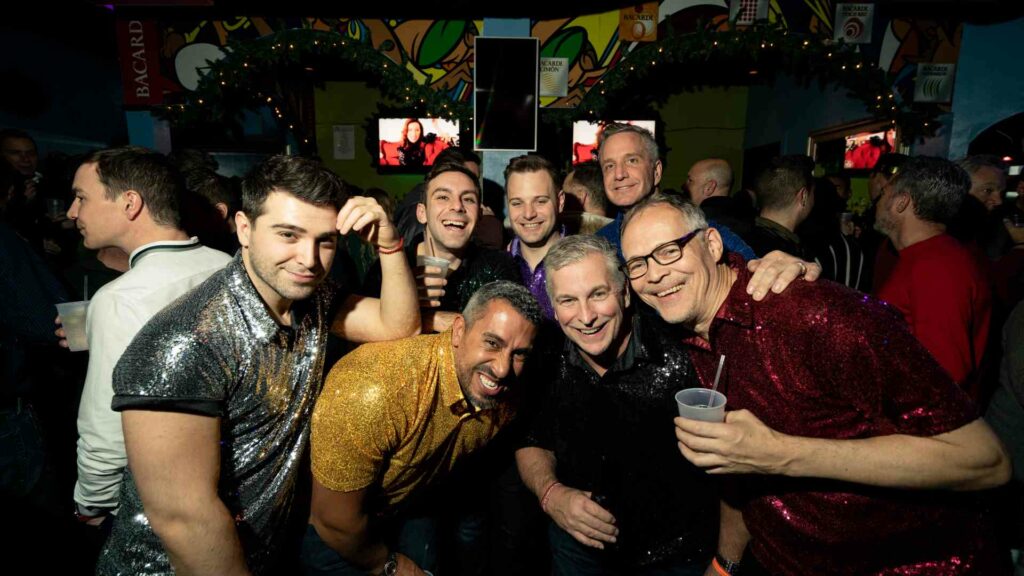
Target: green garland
<point>268,70</point>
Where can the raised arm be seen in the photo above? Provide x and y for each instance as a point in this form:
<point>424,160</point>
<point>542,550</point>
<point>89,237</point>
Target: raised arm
<point>396,313</point>
<point>175,460</point>
<point>967,458</point>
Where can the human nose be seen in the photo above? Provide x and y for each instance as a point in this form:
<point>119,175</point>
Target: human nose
<point>655,271</point>
<point>500,365</point>
<point>308,254</point>
<point>529,212</point>
<point>587,314</point>
<point>73,210</point>
<point>620,171</point>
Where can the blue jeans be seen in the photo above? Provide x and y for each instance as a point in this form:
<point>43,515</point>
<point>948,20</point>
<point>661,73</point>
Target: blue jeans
<point>570,558</point>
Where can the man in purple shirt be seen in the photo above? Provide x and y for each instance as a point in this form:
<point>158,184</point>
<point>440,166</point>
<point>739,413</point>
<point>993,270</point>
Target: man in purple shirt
<point>535,202</point>
<point>867,448</point>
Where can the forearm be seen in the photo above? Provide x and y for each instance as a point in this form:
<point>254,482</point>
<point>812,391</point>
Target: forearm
<point>969,458</point>
<point>399,307</point>
<point>733,535</point>
<point>200,539</point>
<point>357,547</point>
<point>536,468</point>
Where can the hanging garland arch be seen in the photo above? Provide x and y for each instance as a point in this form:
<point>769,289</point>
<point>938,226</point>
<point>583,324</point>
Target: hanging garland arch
<point>272,70</point>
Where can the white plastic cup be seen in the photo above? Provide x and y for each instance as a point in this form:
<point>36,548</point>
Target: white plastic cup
<point>72,318</point>
<point>434,262</point>
<point>701,404</point>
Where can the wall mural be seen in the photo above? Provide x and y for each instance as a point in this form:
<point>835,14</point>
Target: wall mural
<point>439,53</point>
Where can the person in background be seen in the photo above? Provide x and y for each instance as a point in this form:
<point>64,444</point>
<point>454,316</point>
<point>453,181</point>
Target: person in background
<point>586,204</point>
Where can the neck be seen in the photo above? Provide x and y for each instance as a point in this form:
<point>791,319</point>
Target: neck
<point>534,254</point>
<point>454,257</point>
<point>149,234</point>
<point>917,231</point>
<point>280,308</point>
<point>721,284</point>
<point>603,362</point>
<point>786,218</point>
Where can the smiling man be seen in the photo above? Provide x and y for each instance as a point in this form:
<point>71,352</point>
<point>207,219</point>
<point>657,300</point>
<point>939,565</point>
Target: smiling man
<point>598,457</point>
<point>534,206</point>
<point>216,391</point>
<point>450,212</point>
<point>395,418</point>
<point>844,428</point>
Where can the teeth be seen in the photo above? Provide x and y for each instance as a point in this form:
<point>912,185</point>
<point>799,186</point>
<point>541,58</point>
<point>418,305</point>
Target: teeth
<point>589,331</point>
<point>488,383</point>
<point>673,290</point>
<point>455,223</point>
<point>533,225</point>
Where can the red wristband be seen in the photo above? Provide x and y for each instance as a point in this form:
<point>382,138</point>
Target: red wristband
<point>547,492</point>
<point>398,247</point>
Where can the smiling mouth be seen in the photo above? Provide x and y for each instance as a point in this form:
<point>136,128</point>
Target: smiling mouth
<point>453,224</point>
<point>670,291</point>
<point>531,225</point>
<point>591,331</point>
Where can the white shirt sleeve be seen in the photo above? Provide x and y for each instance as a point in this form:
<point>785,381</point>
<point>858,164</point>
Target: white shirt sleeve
<point>111,324</point>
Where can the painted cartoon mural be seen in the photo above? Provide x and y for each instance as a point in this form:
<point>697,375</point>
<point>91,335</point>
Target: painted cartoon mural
<point>439,53</point>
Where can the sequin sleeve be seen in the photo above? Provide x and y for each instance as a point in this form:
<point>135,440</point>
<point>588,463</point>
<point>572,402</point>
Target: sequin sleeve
<point>177,365</point>
<point>885,372</point>
<point>356,425</point>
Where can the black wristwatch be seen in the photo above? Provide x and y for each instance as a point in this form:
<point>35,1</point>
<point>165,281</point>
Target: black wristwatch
<point>390,565</point>
<point>728,565</point>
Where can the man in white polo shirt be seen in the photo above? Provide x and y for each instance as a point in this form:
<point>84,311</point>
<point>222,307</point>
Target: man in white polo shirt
<point>126,198</point>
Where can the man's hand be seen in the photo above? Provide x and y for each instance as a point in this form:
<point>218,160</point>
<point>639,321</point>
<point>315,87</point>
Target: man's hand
<point>59,332</point>
<point>584,519</point>
<point>407,567</point>
<point>429,286</point>
<point>364,216</point>
<point>777,270</point>
<point>740,445</point>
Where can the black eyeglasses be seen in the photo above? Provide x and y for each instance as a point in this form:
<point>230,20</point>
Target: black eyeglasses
<point>666,253</point>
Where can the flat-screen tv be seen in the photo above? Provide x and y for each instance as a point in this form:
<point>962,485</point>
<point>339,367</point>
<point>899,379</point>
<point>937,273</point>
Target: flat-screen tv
<point>585,137</point>
<point>505,93</point>
<point>864,148</point>
<point>414,143</point>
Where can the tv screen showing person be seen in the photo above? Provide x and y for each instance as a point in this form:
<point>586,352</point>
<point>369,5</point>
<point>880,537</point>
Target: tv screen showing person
<point>415,142</point>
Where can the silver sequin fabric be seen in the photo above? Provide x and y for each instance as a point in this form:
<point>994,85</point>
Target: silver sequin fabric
<point>217,352</point>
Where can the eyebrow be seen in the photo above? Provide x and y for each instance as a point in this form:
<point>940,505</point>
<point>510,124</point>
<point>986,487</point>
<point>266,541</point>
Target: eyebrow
<point>301,230</point>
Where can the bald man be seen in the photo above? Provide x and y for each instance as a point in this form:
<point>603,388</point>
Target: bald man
<point>708,183</point>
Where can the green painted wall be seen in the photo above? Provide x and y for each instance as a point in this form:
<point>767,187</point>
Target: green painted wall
<point>353,103</point>
<point>710,123</point>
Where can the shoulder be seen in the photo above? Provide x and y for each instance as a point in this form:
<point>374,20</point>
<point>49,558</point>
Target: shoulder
<point>823,305</point>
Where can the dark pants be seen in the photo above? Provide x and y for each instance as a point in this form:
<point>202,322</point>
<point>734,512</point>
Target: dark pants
<point>570,558</point>
<point>415,538</point>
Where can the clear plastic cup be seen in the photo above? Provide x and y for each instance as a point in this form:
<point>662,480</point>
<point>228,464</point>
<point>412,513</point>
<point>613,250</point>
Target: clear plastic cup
<point>434,262</point>
<point>72,318</point>
<point>701,404</point>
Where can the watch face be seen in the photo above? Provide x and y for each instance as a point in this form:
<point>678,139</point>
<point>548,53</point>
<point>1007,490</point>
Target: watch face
<point>391,566</point>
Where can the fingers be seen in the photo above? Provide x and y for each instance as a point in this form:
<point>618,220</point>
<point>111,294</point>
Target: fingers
<point>776,271</point>
<point>585,540</point>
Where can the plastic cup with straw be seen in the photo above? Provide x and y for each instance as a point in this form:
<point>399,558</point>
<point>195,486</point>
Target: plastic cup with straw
<point>702,403</point>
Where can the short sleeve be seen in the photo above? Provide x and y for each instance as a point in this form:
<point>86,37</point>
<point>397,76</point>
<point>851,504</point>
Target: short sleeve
<point>886,373</point>
<point>353,428</point>
<point>172,366</point>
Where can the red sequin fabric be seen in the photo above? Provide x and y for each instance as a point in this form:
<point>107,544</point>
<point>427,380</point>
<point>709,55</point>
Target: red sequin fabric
<point>823,361</point>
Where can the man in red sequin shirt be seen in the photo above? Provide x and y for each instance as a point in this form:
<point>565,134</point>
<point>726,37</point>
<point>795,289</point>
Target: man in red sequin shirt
<point>869,451</point>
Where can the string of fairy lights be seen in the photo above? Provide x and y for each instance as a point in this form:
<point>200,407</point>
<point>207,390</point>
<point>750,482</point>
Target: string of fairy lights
<point>265,71</point>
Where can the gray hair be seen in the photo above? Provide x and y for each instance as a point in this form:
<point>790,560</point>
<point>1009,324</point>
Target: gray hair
<point>572,249</point>
<point>936,185</point>
<point>613,128</point>
<point>516,295</point>
<point>692,215</point>
<point>719,171</point>
<point>973,163</point>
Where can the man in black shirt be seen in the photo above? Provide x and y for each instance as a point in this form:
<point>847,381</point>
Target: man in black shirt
<point>597,456</point>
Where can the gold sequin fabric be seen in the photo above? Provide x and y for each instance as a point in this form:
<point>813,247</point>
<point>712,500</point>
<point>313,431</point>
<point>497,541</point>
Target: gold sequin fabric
<point>392,418</point>
<point>217,352</point>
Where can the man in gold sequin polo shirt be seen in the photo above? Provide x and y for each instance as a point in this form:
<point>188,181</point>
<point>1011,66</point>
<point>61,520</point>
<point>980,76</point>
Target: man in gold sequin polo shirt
<point>393,420</point>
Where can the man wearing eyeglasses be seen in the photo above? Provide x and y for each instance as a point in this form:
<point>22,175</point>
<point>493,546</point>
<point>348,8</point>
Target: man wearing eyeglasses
<point>834,401</point>
<point>597,457</point>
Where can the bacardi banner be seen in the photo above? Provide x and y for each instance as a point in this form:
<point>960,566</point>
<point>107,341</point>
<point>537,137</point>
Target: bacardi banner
<point>639,23</point>
<point>853,23</point>
<point>137,46</point>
